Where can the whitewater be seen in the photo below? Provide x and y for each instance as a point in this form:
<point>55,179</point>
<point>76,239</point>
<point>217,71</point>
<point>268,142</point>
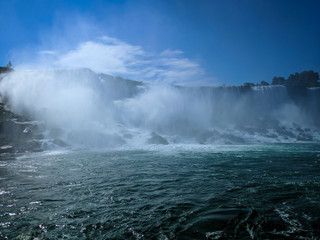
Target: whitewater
<point>91,110</point>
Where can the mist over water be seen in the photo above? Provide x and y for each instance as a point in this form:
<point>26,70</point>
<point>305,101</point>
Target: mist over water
<point>87,109</point>
<point>118,182</point>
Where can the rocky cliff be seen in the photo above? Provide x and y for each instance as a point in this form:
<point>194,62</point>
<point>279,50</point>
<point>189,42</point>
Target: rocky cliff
<point>18,134</point>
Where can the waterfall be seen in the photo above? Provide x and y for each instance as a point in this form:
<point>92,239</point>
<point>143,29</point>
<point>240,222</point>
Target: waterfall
<point>98,110</point>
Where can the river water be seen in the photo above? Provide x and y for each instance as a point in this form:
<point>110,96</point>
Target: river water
<point>170,192</point>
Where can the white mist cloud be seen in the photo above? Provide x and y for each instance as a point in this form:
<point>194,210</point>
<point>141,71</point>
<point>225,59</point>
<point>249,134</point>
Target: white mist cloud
<point>112,57</point>
<point>115,57</point>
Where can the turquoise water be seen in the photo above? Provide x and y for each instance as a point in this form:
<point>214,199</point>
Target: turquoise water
<point>172,192</point>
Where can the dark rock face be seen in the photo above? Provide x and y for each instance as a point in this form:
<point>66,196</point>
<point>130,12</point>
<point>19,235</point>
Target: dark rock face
<point>6,149</point>
<point>60,143</point>
<point>18,134</point>
<point>157,139</point>
<point>5,69</point>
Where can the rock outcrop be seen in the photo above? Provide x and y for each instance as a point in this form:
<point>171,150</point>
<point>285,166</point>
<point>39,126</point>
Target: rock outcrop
<point>6,69</point>
<point>18,134</point>
<point>157,139</point>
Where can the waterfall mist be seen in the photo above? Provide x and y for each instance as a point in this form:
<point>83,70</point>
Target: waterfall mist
<point>87,109</point>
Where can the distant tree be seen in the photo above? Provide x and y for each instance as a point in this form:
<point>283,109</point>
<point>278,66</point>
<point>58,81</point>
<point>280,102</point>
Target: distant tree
<point>247,84</point>
<point>278,81</point>
<point>304,79</point>
<point>9,65</point>
<point>264,83</point>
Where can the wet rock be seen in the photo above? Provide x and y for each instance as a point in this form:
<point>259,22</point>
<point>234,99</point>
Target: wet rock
<point>34,146</point>
<point>23,136</point>
<point>27,132</point>
<point>38,136</point>
<point>6,149</point>
<point>60,143</point>
<point>9,127</point>
<point>157,139</point>
<point>300,130</point>
<point>304,137</point>
<point>285,133</point>
<point>19,129</point>
<point>29,146</point>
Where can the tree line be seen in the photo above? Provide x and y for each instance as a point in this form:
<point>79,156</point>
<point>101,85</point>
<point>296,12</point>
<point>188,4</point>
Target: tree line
<point>302,79</point>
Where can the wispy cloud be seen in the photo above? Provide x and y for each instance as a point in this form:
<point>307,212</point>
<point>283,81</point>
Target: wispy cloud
<point>47,52</point>
<point>113,56</point>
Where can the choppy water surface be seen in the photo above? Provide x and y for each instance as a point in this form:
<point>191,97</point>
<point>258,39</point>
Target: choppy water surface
<point>227,192</point>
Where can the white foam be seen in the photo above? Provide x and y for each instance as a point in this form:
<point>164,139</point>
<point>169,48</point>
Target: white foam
<point>100,111</point>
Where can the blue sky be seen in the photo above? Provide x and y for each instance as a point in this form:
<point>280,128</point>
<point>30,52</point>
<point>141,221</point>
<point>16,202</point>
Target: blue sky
<point>187,42</point>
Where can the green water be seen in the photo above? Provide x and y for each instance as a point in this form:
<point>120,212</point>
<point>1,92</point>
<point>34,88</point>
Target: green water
<point>176,192</point>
